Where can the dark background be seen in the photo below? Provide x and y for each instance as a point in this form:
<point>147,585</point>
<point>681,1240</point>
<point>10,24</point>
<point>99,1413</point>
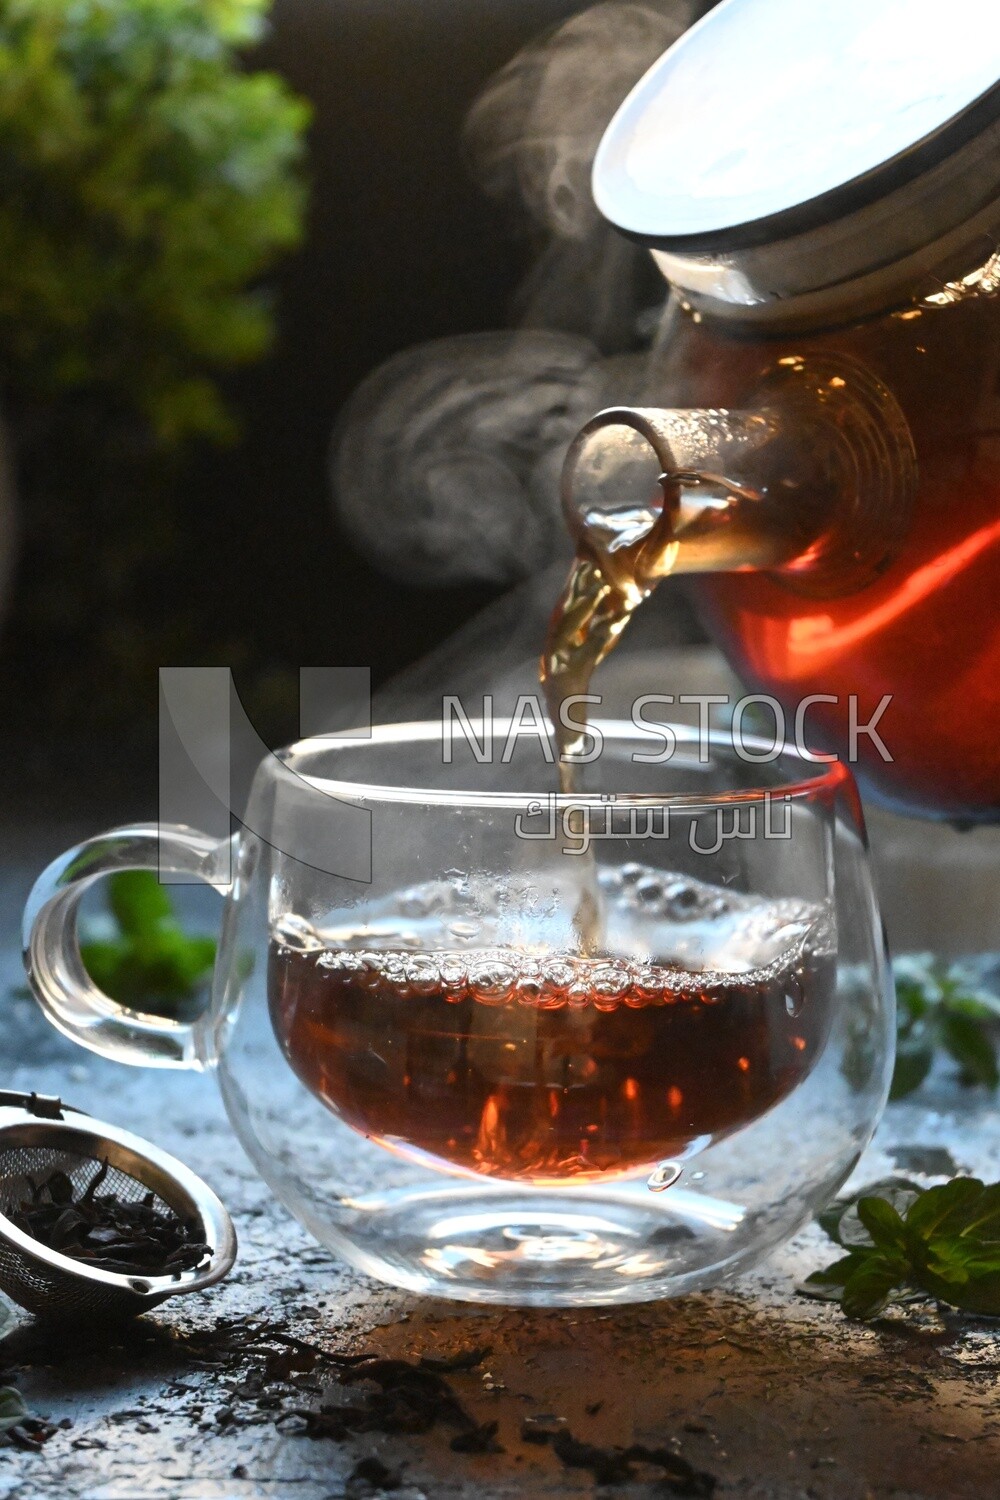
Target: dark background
<point>238,561</point>
<point>401,248</point>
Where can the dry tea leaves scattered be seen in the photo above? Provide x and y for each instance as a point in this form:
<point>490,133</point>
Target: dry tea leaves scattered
<point>618,1466</point>
<point>409,1397</point>
<point>398,1396</point>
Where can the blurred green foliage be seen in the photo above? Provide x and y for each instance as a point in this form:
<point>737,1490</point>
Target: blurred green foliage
<point>148,961</point>
<point>941,1009</point>
<point>145,182</point>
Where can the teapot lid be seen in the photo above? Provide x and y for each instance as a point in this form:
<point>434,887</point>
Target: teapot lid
<point>772,120</point>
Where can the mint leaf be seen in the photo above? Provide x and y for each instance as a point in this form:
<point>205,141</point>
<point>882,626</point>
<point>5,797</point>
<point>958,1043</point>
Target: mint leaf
<point>982,1005</point>
<point>883,1223</point>
<point>138,902</point>
<point>914,1059</point>
<point>965,1040</point>
<point>102,961</point>
<point>913,999</point>
<point>829,1221</point>
<point>869,1288</point>
<point>957,1262</point>
<point>839,1273</point>
<point>951,1208</point>
<point>938,1011</point>
<point>980,1294</point>
<point>150,963</point>
<point>156,180</point>
<point>942,1242</point>
<point>841,1221</point>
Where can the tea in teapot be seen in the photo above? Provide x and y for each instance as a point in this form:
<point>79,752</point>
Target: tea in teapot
<point>827,465</point>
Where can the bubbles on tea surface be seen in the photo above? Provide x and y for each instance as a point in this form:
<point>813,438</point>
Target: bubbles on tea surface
<point>423,975</point>
<point>504,977</point>
<point>492,980</point>
<point>684,900</point>
<point>558,974</point>
<point>660,893</point>
<point>609,983</point>
<point>453,972</point>
<point>648,985</point>
<point>528,987</point>
<point>473,939</point>
<point>343,961</point>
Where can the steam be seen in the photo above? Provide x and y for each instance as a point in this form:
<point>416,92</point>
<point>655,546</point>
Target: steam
<point>533,132</point>
<point>448,458</point>
<point>445,461</point>
<point>531,139</point>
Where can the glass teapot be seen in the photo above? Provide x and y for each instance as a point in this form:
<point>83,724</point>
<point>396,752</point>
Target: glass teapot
<point>821,188</point>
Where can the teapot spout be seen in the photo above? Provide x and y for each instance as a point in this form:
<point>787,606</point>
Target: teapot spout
<point>814,484</point>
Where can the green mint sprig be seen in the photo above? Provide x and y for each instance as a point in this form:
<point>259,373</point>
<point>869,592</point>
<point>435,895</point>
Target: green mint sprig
<point>148,962</point>
<point>940,1010</point>
<point>903,1241</point>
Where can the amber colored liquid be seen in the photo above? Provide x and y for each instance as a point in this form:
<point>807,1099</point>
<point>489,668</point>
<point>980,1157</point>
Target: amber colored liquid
<point>587,620</point>
<point>925,634</point>
<point>547,1071</point>
<point>927,631</point>
<point>589,616</point>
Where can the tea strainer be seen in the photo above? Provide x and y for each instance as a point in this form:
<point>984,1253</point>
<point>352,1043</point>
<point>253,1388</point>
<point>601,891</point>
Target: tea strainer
<point>40,1135</point>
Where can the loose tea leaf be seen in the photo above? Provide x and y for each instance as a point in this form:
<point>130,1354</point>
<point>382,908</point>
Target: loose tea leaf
<point>407,1397</point>
<point>372,1473</point>
<point>105,1231</point>
<point>617,1466</point>
<point>481,1439</point>
<point>942,1242</point>
<point>373,1394</point>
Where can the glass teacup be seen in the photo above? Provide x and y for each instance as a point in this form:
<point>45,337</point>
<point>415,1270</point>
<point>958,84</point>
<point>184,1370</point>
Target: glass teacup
<point>499,1045</point>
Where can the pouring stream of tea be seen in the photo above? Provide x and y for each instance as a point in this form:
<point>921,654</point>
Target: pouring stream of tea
<point>602,592</point>
<point>586,624</point>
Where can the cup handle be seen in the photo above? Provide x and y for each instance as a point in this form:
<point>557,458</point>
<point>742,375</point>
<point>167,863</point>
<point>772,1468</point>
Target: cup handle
<point>64,989</point>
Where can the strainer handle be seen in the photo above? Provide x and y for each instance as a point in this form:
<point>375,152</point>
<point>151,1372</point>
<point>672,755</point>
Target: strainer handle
<point>64,989</point>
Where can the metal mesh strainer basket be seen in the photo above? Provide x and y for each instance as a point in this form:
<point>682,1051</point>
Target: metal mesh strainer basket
<point>40,1135</point>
